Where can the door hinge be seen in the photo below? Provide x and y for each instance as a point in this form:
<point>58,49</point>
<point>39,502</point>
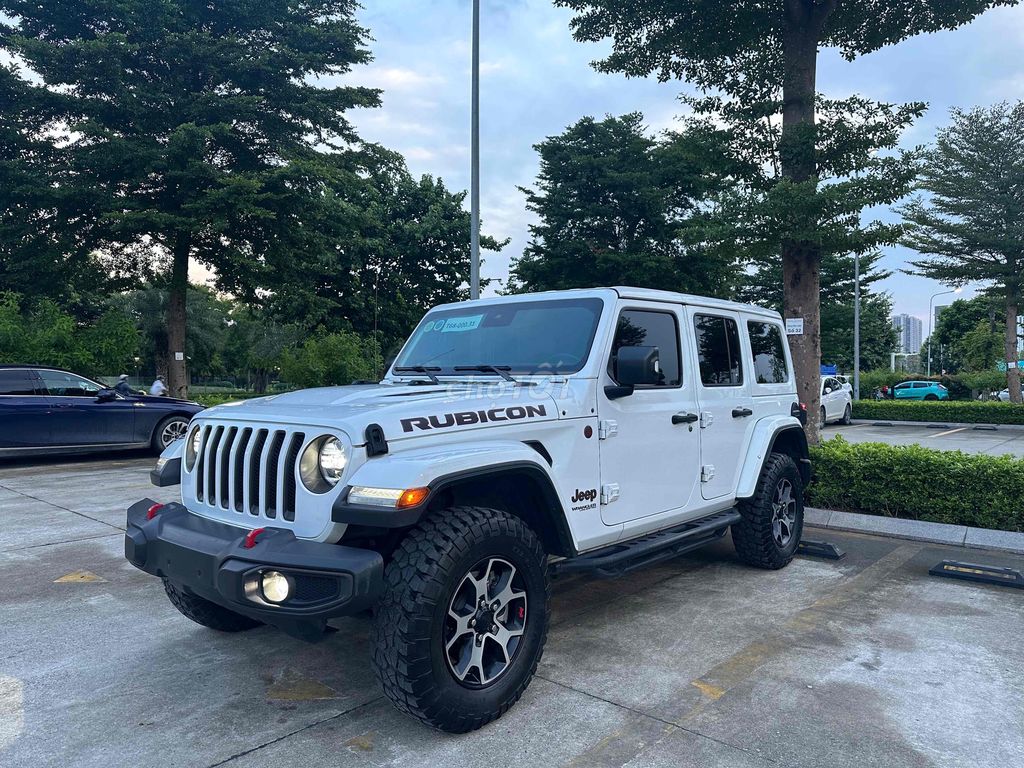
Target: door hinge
<point>609,493</point>
<point>607,428</point>
<point>707,473</point>
<point>707,418</point>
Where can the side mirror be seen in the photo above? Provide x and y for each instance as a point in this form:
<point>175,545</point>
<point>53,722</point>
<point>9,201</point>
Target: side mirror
<point>106,395</point>
<point>634,366</point>
<point>828,390</point>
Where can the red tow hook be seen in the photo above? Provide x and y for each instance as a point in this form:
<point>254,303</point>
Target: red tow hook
<point>250,537</point>
<point>151,512</point>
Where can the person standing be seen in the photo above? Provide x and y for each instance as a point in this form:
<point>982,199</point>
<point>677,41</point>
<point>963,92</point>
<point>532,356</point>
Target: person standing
<point>159,389</point>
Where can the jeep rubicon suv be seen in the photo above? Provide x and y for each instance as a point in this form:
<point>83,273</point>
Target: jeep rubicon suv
<point>513,439</point>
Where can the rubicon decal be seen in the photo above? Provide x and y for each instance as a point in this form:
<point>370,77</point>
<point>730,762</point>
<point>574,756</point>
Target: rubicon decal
<point>465,418</point>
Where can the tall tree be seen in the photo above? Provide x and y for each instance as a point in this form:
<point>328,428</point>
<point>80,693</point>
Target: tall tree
<point>192,129</point>
<point>970,227</point>
<point>390,246</point>
<point>760,53</point>
<point>613,205</point>
<point>959,323</point>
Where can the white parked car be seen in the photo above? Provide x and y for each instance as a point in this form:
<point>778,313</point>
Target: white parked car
<point>1005,394</point>
<point>591,431</point>
<point>836,402</point>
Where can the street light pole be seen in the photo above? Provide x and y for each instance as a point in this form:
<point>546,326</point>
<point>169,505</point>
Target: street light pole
<point>856,327</point>
<point>930,323</point>
<point>474,193</point>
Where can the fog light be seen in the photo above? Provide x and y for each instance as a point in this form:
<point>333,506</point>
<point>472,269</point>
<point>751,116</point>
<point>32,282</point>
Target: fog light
<point>276,586</point>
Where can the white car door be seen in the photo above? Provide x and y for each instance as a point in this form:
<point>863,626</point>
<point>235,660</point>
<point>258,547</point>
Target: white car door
<point>653,458</point>
<point>726,405</point>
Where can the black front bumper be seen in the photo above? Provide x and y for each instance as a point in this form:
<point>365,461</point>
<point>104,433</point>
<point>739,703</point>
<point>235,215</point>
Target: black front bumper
<point>210,559</point>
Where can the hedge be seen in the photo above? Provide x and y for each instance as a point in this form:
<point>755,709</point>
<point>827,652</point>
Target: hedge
<point>944,411</point>
<point>961,386</point>
<point>919,483</point>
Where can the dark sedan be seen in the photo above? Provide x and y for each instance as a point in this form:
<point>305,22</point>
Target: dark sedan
<point>48,410</point>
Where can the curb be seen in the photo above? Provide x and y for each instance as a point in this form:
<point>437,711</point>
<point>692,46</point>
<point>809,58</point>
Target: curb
<point>942,425</point>
<point>917,530</point>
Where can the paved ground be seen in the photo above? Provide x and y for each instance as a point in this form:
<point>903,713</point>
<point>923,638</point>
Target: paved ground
<point>700,662</point>
<point>968,439</point>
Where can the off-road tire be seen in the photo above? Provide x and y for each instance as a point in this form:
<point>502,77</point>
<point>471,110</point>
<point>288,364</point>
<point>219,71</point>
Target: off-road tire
<point>848,415</point>
<point>202,611</point>
<point>156,441</point>
<point>753,537</point>
<point>408,631</point>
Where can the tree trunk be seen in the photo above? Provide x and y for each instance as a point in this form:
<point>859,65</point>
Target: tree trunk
<point>1012,355</point>
<point>177,370</point>
<point>801,261</point>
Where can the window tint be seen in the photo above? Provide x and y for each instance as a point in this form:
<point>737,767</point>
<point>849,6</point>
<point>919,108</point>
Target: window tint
<point>718,351</point>
<point>920,385</point>
<point>17,382</point>
<point>61,384</point>
<point>641,328</point>
<point>769,355</point>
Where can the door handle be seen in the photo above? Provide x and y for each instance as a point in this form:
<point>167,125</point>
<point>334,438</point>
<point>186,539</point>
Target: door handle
<point>739,413</point>
<point>684,418</point>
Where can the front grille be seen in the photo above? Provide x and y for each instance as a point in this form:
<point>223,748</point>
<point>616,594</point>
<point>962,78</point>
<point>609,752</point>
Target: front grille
<point>248,470</point>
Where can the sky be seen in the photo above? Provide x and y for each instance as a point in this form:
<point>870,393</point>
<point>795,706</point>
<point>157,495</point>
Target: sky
<point>536,80</point>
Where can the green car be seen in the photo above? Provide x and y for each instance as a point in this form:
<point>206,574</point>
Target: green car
<point>920,390</point>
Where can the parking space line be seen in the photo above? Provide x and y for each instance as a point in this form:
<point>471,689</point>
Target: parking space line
<point>950,432</point>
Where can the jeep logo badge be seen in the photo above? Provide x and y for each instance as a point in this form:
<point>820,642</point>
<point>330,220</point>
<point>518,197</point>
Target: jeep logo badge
<point>589,495</point>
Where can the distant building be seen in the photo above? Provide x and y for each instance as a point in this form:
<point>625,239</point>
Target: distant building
<point>909,328</point>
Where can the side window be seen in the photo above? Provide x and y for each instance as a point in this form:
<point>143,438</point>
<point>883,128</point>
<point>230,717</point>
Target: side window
<point>61,384</point>
<point>769,354</point>
<point>646,328</point>
<point>920,385</point>
<point>17,381</point>
<point>718,351</point>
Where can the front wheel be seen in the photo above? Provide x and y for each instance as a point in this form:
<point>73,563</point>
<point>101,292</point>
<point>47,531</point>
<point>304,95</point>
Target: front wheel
<point>462,623</point>
<point>773,518</point>
<point>848,415</point>
<point>167,431</point>
<point>822,419</point>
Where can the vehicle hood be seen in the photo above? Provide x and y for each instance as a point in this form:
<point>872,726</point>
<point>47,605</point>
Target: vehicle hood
<point>402,411</point>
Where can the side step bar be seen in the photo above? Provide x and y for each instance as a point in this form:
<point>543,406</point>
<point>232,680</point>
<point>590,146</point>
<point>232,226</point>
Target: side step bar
<point>623,557</point>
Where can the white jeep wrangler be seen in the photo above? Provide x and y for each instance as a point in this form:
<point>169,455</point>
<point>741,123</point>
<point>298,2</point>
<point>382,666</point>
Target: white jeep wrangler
<point>513,439</point>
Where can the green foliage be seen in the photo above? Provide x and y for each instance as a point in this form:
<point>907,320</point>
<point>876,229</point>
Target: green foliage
<point>331,359</point>
<point>614,206</point>
<point>971,227</point>
<point>942,411</point>
<point>397,246</point>
<point>956,322</point>
<point>46,335</point>
<point>919,484</point>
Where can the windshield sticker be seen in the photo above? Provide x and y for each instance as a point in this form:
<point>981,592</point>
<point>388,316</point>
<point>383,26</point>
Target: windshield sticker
<point>469,323</point>
<point>428,326</point>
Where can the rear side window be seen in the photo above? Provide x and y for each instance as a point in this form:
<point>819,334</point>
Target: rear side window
<point>769,354</point>
<point>17,382</point>
<point>62,384</point>
<point>718,351</point>
<point>644,328</point>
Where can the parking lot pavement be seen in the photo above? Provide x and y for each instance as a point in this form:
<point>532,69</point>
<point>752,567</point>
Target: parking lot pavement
<point>968,439</point>
<point>698,662</point>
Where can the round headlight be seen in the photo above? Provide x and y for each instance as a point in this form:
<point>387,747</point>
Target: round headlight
<point>332,460</point>
<point>192,449</point>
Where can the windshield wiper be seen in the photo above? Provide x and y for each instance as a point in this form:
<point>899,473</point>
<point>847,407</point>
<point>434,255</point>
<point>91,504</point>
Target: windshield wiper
<point>426,370</point>
<point>500,370</point>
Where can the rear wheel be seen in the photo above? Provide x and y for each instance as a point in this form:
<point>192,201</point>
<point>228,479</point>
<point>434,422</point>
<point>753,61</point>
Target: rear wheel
<point>773,519</point>
<point>931,397</point>
<point>167,431</point>
<point>202,611</point>
<point>462,623</point>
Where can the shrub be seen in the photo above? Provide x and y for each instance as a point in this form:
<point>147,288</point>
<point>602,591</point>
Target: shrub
<point>919,483</point>
<point>945,411</point>
<point>330,359</point>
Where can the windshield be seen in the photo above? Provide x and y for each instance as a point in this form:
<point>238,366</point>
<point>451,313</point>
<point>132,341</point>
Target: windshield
<point>552,336</point>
